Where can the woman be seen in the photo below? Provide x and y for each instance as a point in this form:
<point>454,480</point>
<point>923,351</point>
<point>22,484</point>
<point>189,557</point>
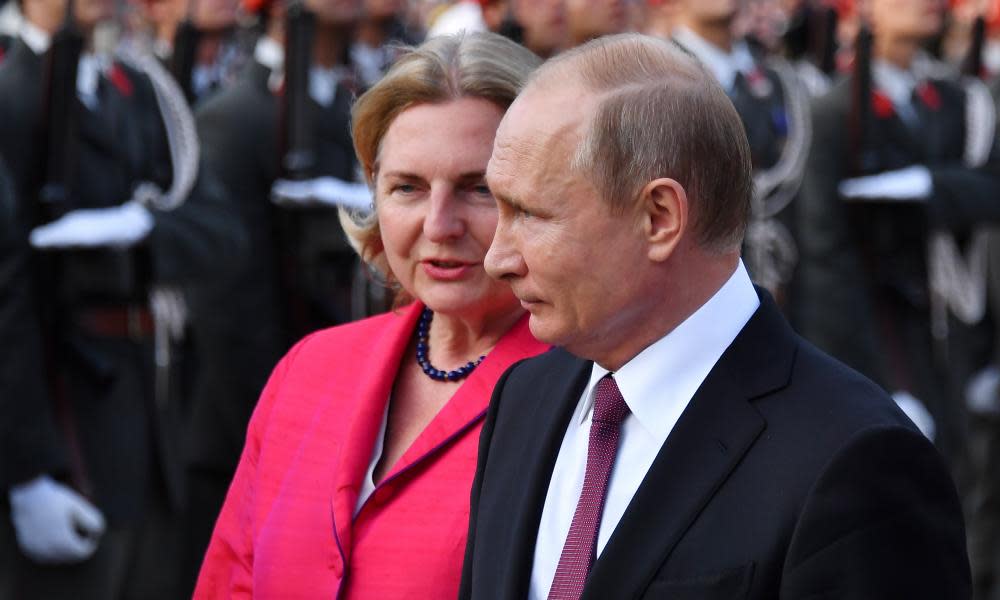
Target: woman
<point>359,459</point>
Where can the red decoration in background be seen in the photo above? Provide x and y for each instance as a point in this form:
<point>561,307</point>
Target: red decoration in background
<point>882,105</point>
<point>928,94</point>
<point>120,80</point>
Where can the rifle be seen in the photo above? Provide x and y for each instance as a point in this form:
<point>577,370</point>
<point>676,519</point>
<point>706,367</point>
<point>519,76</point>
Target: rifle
<point>825,44</point>
<point>860,120</point>
<point>60,119</point>
<point>59,156</point>
<point>972,64</point>
<point>297,157</point>
<point>186,41</point>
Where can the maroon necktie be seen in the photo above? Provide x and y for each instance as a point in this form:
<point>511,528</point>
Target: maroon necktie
<point>581,543</point>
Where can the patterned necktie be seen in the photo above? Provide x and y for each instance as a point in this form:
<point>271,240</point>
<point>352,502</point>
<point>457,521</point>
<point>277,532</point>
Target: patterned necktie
<point>581,543</point>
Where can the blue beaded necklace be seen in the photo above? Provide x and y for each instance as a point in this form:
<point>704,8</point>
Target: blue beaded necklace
<point>423,329</point>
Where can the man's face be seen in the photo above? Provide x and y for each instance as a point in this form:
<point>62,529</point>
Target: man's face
<point>594,18</point>
<point>88,12</point>
<point>573,265</point>
<point>544,23</point>
<point>335,12</point>
<point>214,15</point>
<point>709,12</point>
<point>908,19</point>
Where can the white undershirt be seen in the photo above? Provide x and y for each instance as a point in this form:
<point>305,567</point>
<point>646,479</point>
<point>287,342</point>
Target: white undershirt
<point>368,483</point>
<point>657,385</point>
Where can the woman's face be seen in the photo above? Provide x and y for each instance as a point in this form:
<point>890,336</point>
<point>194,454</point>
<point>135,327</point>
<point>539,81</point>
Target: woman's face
<point>436,215</point>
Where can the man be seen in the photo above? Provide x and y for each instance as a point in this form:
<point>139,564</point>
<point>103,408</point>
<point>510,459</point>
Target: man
<point>774,108</point>
<point>691,445</point>
<point>77,332</point>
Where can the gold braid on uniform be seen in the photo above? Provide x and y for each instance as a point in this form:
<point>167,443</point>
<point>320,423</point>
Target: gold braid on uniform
<point>958,283</point>
<point>771,252</point>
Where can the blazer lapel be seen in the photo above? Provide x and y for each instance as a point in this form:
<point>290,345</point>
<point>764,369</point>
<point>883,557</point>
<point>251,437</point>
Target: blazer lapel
<point>718,427</point>
<point>374,385</point>
<point>552,408</point>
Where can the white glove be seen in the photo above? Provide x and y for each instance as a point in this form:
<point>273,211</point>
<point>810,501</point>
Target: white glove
<point>322,191</point>
<point>121,226</point>
<point>915,409</point>
<point>982,393</point>
<point>53,523</point>
<point>912,184</point>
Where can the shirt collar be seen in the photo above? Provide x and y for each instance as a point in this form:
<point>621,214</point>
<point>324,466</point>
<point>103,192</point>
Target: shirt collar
<point>658,383</point>
<point>724,65</point>
<point>36,38</point>
<point>88,73</point>
<point>898,84</point>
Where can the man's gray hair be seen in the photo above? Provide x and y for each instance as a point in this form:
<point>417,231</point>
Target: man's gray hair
<point>659,114</point>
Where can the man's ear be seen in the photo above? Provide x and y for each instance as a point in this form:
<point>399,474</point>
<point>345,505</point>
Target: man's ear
<point>665,213</point>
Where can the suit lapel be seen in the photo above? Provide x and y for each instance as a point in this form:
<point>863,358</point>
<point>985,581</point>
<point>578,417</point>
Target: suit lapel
<point>552,407</point>
<point>715,431</point>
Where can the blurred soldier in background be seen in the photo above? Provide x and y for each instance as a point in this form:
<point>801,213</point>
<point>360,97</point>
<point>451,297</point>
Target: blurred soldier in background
<point>902,171</point>
<point>774,108</point>
<point>287,118</point>
<point>104,163</point>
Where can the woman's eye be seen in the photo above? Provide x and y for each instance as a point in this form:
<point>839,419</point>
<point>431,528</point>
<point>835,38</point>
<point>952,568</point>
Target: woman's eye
<point>482,190</point>
<point>524,213</point>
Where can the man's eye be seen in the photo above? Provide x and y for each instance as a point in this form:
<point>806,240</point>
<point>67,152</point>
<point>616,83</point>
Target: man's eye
<point>404,188</point>
<point>482,190</point>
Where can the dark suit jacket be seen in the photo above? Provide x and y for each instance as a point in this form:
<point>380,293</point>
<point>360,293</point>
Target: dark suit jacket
<point>787,476</point>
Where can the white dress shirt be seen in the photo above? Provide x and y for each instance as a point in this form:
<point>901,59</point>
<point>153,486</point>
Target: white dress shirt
<point>724,65</point>
<point>657,385</point>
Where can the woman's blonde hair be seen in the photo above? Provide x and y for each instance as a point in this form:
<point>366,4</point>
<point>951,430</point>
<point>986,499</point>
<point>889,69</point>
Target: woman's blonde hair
<point>478,65</point>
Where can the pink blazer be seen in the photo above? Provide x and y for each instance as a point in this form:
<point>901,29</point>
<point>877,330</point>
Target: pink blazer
<point>287,529</point>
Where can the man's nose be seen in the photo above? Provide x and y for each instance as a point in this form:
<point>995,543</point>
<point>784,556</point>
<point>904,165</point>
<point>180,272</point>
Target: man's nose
<point>503,259</point>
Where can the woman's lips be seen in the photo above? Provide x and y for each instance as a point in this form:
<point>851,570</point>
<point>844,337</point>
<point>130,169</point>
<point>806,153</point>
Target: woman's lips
<point>446,270</point>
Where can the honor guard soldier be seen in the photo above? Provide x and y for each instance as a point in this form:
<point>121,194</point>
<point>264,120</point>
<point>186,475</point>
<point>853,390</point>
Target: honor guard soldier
<point>281,134</point>
<point>774,108</point>
<point>902,172</point>
<point>104,161</point>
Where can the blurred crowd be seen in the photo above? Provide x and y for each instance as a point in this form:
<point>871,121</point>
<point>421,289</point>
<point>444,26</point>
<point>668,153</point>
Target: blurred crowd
<point>173,175</point>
